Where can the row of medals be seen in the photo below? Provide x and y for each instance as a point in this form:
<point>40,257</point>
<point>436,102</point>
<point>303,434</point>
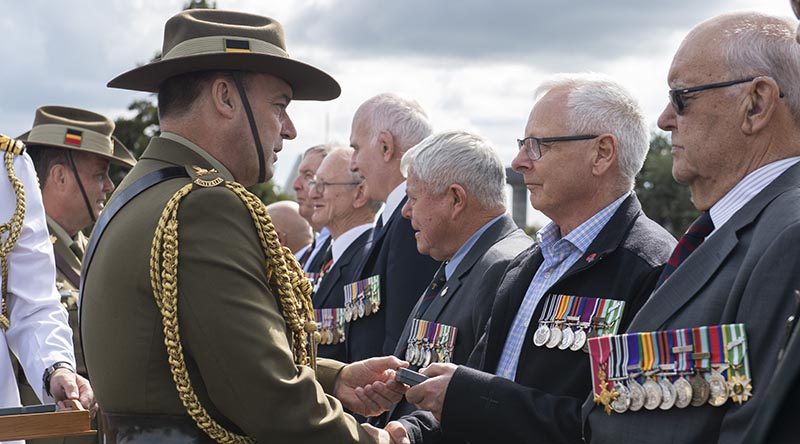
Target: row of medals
<point>664,394</point>
<point>332,334</point>
<point>358,309</point>
<point>567,338</point>
<point>422,353</point>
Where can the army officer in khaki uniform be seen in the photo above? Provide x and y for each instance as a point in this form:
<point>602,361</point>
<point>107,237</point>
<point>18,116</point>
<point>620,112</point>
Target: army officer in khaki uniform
<point>197,325</point>
<point>71,150</point>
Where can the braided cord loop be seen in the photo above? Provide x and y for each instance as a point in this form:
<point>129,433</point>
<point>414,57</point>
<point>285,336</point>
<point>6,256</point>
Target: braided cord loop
<point>283,275</point>
<point>13,227</point>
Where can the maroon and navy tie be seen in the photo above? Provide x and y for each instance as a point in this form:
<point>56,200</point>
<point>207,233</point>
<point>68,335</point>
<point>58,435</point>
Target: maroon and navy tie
<point>689,242</point>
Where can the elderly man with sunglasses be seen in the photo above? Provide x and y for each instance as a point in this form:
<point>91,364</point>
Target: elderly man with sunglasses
<point>735,122</point>
<point>586,139</point>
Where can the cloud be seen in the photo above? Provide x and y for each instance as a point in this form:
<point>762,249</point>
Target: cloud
<point>504,30</point>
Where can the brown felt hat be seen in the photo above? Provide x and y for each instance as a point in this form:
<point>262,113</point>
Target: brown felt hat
<point>79,130</point>
<point>211,40</point>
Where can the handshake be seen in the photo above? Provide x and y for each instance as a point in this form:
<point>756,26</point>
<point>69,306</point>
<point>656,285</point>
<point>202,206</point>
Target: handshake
<point>375,385</point>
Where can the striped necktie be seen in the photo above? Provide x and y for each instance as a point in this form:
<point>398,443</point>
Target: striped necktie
<point>694,236</point>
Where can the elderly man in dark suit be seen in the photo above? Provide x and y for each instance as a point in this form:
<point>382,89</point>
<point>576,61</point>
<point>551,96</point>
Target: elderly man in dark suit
<point>733,116</point>
<point>584,143</point>
<point>339,203</point>
<point>384,128</point>
<point>456,204</point>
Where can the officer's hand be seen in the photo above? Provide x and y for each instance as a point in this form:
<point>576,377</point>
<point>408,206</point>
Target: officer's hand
<point>429,395</point>
<point>379,435</point>
<point>368,387</point>
<point>65,385</point>
<point>397,432</point>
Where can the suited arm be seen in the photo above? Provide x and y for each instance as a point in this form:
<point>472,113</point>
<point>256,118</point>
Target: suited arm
<point>39,334</point>
<point>766,303</point>
<point>407,275</point>
<point>232,327</point>
<point>482,407</point>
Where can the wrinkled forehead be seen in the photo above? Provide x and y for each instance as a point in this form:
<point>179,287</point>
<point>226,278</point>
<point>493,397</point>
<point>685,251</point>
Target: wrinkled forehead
<point>700,58</point>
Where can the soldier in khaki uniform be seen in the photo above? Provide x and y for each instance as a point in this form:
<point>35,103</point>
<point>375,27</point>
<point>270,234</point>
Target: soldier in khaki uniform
<point>197,325</point>
<point>71,150</point>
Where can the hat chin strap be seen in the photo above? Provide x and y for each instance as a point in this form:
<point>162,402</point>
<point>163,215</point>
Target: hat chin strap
<point>80,186</point>
<point>262,172</point>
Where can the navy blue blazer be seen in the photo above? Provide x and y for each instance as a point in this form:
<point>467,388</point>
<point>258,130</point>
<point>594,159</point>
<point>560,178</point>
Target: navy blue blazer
<point>405,273</point>
<point>330,293</point>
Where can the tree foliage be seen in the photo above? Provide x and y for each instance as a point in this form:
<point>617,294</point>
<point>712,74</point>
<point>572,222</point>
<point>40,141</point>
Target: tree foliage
<point>136,131</point>
<point>664,200</point>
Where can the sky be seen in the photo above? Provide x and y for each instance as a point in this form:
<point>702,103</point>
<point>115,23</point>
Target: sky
<point>471,64</point>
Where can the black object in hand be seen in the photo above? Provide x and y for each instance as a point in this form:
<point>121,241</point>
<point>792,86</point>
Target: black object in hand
<point>409,377</point>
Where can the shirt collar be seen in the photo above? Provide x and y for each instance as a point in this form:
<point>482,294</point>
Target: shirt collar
<point>341,243</point>
<point>454,262</point>
<point>549,238</point>
<point>216,164</point>
<point>746,189</point>
<point>393,201</point>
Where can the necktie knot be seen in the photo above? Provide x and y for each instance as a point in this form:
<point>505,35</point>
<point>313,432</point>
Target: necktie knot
<point>690,241</point>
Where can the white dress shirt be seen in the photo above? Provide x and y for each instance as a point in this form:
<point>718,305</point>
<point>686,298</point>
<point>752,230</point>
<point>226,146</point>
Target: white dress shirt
<point>393,201</point>
<point>39,333</point>
<point>341,243</point>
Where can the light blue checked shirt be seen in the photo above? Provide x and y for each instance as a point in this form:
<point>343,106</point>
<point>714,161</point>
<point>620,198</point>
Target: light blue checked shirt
<point>559,255</point>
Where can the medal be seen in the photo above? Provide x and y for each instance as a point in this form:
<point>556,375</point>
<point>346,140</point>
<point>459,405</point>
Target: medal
<point>567,337</point>
<point>555,337</point>
<point>681,349</point>
<point>374,283</point>
<point>618,372</point>
<point>579,341</point>
<point>567,334</point>
<point>739,385</point>
<point>667,367</point>
<point>718,384</point>
<point>701,390</point>
<point>650,357</point>
<point>361,308</point>
<point>637,395</point>
<point>599,351</point>
<point>542,334</point>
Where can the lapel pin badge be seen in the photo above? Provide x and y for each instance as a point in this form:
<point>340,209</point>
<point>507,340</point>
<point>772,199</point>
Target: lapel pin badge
<point>591,257</point>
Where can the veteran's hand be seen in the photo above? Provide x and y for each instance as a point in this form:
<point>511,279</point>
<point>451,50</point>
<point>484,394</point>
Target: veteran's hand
<point>368,387</point>
<point>65,385</point>
<point>379,435</point>
<point>397,432</point>
<point>429,395</point>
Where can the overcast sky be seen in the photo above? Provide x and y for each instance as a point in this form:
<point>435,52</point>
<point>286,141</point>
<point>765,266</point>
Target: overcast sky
<point>472,64</point>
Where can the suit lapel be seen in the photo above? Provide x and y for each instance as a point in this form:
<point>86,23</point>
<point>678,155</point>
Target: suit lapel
<point>499,230</point>
<point>374,246</point>
<point>690,277</point>
<point>335,273</point>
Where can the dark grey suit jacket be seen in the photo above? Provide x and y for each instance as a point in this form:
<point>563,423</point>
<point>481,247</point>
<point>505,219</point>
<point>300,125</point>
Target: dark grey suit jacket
<point>744,272</point>
<point>471,289</point>
<point>330,293</point>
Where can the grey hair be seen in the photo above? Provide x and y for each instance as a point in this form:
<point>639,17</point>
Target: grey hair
<point>758,44</point>
<point>323,149</point>
<point>598,104</point>
<point>458,157</point>
<point>403,117</point>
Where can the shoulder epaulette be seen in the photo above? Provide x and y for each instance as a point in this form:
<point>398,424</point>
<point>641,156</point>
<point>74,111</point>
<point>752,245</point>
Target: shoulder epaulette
<point>10,145</point>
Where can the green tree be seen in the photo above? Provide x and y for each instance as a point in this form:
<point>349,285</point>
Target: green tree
<point>135,132</point>
<point>664,200</point>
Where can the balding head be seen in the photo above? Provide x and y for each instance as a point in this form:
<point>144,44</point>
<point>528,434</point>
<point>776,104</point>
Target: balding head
<point>293,230</point>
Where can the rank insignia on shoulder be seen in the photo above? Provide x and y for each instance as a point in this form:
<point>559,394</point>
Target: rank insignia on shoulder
<point>205,178</point>
<point>10,145</point>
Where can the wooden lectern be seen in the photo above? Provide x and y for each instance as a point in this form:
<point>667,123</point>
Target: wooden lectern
<point>75,421</point>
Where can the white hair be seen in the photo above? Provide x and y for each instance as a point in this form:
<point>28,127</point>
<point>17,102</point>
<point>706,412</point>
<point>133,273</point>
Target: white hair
<point>756,44</point>
<point>458,157</point>
<point>403,117</point>
<point>598,104</point>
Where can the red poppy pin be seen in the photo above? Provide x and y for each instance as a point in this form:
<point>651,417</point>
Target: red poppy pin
<point>591,257</point>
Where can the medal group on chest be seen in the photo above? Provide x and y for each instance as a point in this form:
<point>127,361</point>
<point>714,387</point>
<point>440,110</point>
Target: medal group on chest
<point>568,321</point>
<point>430,342</point>
<point>671,369</point>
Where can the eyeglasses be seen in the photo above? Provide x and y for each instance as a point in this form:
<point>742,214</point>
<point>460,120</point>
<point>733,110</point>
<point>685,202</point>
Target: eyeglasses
<point>678,101</point>
<point>320,185</point>
<point>533,145</point>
